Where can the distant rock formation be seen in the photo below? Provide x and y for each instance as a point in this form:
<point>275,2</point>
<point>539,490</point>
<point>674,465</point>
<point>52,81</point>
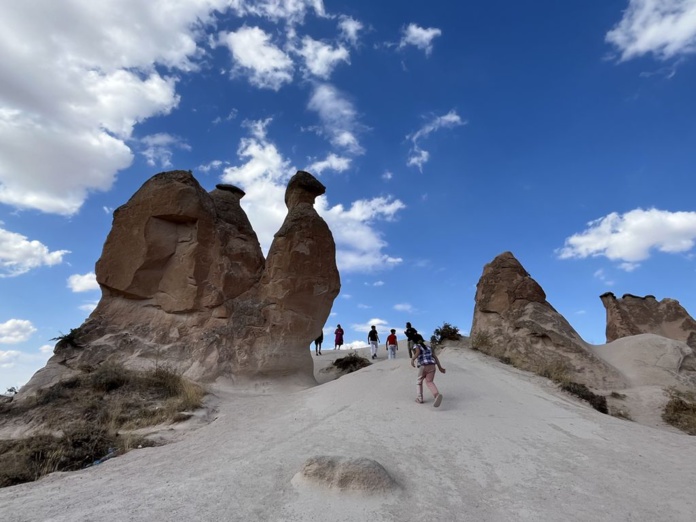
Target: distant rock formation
<point>512,314</point>
<point>634,315</point>
<point>185,284</point>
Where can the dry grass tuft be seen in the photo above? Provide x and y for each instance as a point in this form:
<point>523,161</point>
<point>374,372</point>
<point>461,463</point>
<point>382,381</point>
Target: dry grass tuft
<point>680,411</point>
<point>480,341</point>
<point>351,363</point>
<point>598,402</point>
<point>89,411</point>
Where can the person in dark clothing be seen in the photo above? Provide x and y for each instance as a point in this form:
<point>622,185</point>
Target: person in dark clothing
<point>410,334</point>
<point>317,343</point>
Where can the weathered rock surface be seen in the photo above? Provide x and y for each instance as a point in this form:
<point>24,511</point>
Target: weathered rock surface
<point>634,315</point>
<point>345,474</point>
<point>511,311</point>
<point>184,283</point>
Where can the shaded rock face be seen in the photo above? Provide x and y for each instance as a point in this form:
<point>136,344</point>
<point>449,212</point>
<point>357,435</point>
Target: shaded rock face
<point>634,315</point>
<point>346,474</point>
<point>184,283</point>
<point>512,312</point>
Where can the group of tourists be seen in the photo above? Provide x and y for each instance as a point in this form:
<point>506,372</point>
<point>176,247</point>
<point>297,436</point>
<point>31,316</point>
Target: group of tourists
<point>421,355</point>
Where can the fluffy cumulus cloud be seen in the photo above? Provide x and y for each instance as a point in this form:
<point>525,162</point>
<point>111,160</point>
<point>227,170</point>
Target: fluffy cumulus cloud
<point>321,58</point>
<point>420,37</point>
<point>404,307</point>
<point>263,175</point>
<point>417,156</point>
<point>630,238</point>
<point>665,28</point>
<point>331,162</point>
<point>256,56</point>
<point>338,117</point>
<point>18,254</point>
<point>83,282</point>
<point>16,331</point>
<point>60,143</point>
<point>291,11</point>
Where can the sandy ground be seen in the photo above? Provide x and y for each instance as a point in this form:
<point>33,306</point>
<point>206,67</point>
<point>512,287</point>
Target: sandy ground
<point>503,446</point>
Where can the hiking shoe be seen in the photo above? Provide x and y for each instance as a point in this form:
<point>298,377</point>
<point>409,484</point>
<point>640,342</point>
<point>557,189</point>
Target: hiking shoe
<point>419,400</point>
<point>438,400</point>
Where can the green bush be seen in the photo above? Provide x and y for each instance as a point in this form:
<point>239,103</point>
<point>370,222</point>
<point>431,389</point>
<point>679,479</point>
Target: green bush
<point>446,332</point>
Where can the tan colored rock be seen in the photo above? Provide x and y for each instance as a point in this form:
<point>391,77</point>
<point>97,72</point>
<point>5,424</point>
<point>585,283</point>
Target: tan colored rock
<point>512,313</point>
<point>345,474</point>
<point>184,283</point>
<point>635,315</point>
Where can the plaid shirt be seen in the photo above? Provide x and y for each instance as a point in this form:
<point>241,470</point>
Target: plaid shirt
<point>425,357</point>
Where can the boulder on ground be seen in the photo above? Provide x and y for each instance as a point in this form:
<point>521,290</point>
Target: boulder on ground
<point>346,474</point>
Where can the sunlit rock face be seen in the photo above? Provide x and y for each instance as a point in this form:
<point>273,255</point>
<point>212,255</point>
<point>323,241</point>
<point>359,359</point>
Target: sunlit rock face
<point>512,314</point>
<point>635,315</point>
<point>185,284</point>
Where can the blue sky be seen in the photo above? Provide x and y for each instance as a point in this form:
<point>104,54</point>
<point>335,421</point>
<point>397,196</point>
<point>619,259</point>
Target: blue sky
<point>445,133</point>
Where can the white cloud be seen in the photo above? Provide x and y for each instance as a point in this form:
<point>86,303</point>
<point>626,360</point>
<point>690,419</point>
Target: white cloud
<point>378,283</point>
<point>103,82</point>
<point>665,28</point>
<point>630,237</point>
<point>16,331</point>
<point>159,148</point>
<point>213,165</point>
<point>417,156</point>
<point>320,58</point>
<point>387,175</point>
<point>46,348</point>
<point>88,307</point>
<point>404,307</point>
<point>364,306</point>
<point>83,283</point>
<point>331,162</point>
<point>602,276</point>
<point>8,358</point>
<point>338,117</point>
<point>350,28</point>
<point>367,326</point>
<point>420,37</point>
<point>18,254</point>
<point>292,11</point>
<point>264,177</point>
<point>268,66</point>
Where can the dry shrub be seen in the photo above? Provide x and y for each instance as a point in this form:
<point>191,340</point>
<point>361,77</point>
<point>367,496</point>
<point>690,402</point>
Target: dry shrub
<point>481,341</point>
<point>351,363</point>
<point>617,395</point>
<point>90,410</point>
<point>680,411</point>
<point>598,402</point>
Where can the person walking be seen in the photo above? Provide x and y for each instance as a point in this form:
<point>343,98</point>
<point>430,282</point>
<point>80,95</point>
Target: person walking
<point>317,343</point>
<point>373,339</point>
<point>392,345</point>
<point>427,362</point>
<point>339,338</point>
<point>410,334</point>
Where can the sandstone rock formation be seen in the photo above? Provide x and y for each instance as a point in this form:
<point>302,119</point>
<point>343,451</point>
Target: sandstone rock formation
<point>634,315</point>
<point>184,283</point>
<point>512,315</point>
<point>345,474</point>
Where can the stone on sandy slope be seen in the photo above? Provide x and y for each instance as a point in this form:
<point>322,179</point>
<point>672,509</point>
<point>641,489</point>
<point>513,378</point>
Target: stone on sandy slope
<point>512,311</point>
<point>345,474</point>
<point>633,315</point>
<point>185,284</point>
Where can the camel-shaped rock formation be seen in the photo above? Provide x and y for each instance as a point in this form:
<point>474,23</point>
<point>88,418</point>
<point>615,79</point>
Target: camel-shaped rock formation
<point>185,284</point>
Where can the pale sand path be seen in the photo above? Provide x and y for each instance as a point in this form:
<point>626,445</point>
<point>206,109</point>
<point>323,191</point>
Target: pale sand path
<point>503,446</point>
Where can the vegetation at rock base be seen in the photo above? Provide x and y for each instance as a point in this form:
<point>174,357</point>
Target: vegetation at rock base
<point>86,418</point>
<point>351,363</point>
<point>446,332</point>
<point>680,411</point>
<point>480,340</point>
<point>598,402</point>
